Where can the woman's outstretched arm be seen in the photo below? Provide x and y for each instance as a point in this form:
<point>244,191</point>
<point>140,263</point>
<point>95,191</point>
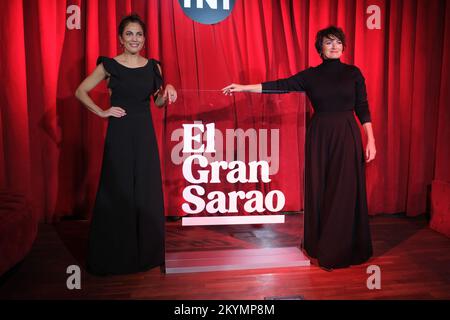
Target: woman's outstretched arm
<point>296,82</point>
<point>234,87</point>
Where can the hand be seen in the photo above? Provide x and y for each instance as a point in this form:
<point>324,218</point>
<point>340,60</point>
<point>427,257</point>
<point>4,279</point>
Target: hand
<point>170,93</point>
<point>117,112</point>
<point>228,90</point>
<point>371,151</point>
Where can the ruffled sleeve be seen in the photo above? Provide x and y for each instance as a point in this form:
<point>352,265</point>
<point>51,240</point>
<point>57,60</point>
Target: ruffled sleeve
<point>158,79</point>
<point>108,64</point>
<point>110,67</point>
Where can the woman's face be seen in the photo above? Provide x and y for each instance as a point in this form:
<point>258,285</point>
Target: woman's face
<point>132,38</point>
<point>331,47</point>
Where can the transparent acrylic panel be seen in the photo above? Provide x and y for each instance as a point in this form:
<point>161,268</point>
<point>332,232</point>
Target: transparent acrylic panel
<point>242,194</point>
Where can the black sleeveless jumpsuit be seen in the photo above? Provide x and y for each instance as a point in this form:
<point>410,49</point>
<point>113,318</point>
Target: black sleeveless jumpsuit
<point>127,228</point>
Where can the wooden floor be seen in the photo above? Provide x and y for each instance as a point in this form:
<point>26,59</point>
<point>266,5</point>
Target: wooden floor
<point>414,262</point>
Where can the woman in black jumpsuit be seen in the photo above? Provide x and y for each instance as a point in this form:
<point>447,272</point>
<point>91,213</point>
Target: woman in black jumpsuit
<point>127,228</point>
<point>336,226</point>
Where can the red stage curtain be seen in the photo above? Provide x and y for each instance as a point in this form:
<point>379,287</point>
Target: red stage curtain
<point>52,146</point>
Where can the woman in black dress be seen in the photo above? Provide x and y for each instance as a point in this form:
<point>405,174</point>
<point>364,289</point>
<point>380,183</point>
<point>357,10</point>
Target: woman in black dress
<point>127,227</point>
<point>336,226</point>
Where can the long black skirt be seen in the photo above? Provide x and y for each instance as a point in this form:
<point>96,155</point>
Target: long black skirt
<point>336,224</point>
<point>127,228</point>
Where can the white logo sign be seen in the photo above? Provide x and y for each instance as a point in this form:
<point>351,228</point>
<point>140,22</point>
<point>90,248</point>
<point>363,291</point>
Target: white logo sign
<point>207,11</point>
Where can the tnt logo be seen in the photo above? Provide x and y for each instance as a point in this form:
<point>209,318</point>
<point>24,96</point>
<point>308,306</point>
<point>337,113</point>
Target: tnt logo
<point>207,11</point>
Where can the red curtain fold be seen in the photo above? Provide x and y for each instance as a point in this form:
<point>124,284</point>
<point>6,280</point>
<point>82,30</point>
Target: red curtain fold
<point>52,146</point>
<point>15,120</point>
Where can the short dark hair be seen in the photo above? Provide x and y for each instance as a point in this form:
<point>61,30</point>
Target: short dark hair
<point>325,33</point>
<point>131,18</point>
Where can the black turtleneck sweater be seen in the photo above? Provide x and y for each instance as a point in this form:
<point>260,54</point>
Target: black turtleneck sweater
<point>331,86</point>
